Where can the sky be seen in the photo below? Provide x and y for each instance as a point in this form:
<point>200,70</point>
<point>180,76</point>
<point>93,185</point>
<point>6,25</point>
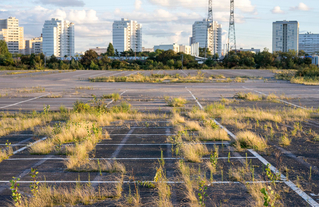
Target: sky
<point>164,21</point>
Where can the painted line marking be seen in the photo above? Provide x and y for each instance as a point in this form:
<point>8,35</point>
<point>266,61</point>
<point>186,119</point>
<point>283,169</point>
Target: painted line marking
<point>166,144</point>
<point>125,158</point>
<point>131,73</point>
<point>184,72</point>
<point>113,100</point>
<point>117,151</point>
<point>107,73</point>
<point>127,182</point>
<point>302,194</point>
<point>23,148</point>
<point>286,102</point>
<point>3,107</point>
<point>142,134</point>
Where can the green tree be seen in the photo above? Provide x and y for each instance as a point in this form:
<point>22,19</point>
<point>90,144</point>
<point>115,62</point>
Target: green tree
<point>3,47</point>
<point>93,66</point>
<point>202,52</point>
<point>110,50</point>
<point>88,57</point>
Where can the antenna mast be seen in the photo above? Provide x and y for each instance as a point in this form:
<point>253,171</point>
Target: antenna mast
<point>210,27</point>
<point>232,31</point>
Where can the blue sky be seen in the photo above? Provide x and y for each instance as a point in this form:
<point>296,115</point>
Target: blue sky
<point>164,21</point>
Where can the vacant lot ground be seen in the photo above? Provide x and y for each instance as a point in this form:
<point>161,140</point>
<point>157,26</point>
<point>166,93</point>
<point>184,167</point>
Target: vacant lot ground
<point>66,141</point>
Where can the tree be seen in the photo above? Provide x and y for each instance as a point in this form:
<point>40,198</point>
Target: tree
<point>110,50</point>
<point>3,47</point>
<point>202,52</point>
<point>88,57</point>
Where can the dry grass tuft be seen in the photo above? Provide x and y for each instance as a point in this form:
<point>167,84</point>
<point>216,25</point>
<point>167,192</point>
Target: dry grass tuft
<point>5,154</point>
<point>163,189</point>
<point>248,96</point>
<point>177,119</point>
<point>248,139</point>
<point>61,196</point>
<point>193,152</point>
<point>192,125</point>
<point>101,166</point>
<point>177,102</point>
<point>285,141</point>
<point>188,182</point>
<point>209,134</point>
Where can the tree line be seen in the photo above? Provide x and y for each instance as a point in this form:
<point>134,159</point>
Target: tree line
<point>158,59</point>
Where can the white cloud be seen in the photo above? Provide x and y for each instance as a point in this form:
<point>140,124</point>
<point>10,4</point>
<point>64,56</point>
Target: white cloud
<point>301,7</point>
<point>63,3</point>
<point>138,4</point>
<point>219,5</point>
<point>277,10</point>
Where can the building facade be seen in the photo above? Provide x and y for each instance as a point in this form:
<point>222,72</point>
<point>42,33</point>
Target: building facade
<point>175,47</point>
<point>127,35</point>
<point>212,37</point>
<point>33,46</point>
<point>253,50</point>
<point>144,49</point>
<point>12,34</point>
<point>58,38</point>
<point>309,43</point>
<point>285,36</point>
<point>99,50</point>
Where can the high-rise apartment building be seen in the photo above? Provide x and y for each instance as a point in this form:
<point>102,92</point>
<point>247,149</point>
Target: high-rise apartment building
<point>285,36</point>
<point>203,36</point>
<point>33,46</point>
<point>309,43</point>
<point>127,35</point>
<point>58,38</point>
<point>12,34</point>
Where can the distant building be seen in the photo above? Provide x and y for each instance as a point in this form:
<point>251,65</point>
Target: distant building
<point>99,50</point>
<point>309,43</point>
<point>195,49</point>
<point>175,47</point>
<point>202,36</point>
<point>147,49</point>
<point>127,35</point>
<point>33,46</point>
<point>285,36</point>
<point>12,34</point>
<point>253,50</point>
<point>58,38</point>
<point>315,60</point>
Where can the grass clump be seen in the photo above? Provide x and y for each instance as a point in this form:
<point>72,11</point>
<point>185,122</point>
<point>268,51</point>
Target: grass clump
<point>249,140</point>
<point>177,119</point>
<point>177,102</point>
<point>101,166</point>
<point>209,134</point>
<point>188,182</point>
<point>6,153</point>
<point>163,189</point>
<point>248,96</point>
<point>70,196</point>
<point>113,96</point>
<point>193,151</point>
<point>284,140</point>
<point>192,126</point>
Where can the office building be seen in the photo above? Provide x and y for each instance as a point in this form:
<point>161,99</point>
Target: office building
<point>144,49</point>
<point>203,36</point>
<point>12,34</point>
<point>315,60</point>
<point>253,50</point>
<point>58,38</point>
<point>309,43</point>
<point>127,35</point>
<point>195,49</point>
<point>285,36</point>
<point>33,46</point>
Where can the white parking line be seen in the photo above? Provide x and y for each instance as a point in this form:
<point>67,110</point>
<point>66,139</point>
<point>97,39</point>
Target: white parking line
<point>113,99</point>
<point>302,194</point>
<point>117,151</point>
<point>184,72</point>
<point>286,102</point>
<point>23,148</point>
<point>142,134</point>
<point>107,72</point>
<point>3,107</point>
<point>132,73</point>
<point>126,158</point>
<point>128,182</point>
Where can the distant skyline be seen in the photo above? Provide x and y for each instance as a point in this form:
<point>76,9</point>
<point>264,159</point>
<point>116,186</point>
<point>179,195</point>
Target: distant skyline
<point>164,21</point>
